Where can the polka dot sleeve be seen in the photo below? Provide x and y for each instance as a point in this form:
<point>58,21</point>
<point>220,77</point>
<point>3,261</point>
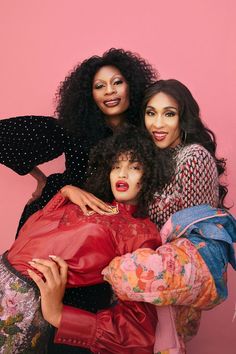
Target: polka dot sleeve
<point>76,159</point>
<point>28,141</point>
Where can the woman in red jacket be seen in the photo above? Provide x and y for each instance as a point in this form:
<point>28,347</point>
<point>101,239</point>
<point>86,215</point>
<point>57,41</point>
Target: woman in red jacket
<point>124,170</point>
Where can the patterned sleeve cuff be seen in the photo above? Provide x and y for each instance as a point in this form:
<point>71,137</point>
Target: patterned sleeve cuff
<point>57,201</point>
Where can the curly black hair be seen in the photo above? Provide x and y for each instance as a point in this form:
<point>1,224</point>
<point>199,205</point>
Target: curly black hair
<point>76,108</point>
<point>138,144</point>
<point>193,130</point>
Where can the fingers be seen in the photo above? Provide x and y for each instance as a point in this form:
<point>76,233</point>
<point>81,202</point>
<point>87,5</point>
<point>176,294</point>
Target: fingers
<point>49,274</point>
<point>37,279</point>
<point>53,271</point>
<point>85,200</point>
<point>51,290</point>
<point>83,207</point>
<point>62,265</point>
<point>95,204</point>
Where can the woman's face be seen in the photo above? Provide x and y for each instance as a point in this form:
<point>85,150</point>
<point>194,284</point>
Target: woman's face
<point>162,120</point>
<point>125,179</point>
<point>110,91</point>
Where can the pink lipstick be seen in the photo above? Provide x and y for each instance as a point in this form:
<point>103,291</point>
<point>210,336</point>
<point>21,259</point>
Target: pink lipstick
<point>112,102</point>
<point>159,136</point>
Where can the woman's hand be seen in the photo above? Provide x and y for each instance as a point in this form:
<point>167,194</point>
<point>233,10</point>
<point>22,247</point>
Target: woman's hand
<point>41,182</point>
<point>53,288</point>
<point>85,200</point>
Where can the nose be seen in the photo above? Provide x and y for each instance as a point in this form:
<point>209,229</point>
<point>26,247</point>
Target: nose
<point>159,121</point>
<point>123,172</point>
<point>110,89</point>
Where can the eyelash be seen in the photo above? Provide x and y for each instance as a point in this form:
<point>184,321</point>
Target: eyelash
<point>150,113</point>
<point>99,86</point>
<point>131,167</point>
<point>118,82</point>
<point>167,114</point>
<point>170,114</point>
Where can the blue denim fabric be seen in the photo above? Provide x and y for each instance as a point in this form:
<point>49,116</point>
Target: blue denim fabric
<point>207,222</point>
<point>213,232</point>
<point>216,257</point>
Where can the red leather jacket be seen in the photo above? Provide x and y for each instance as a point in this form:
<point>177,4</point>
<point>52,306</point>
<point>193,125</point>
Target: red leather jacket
<point>88,244</point>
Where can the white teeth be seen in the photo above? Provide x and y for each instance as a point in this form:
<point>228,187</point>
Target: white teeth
<point>112,102</point>
<point>160,135</point>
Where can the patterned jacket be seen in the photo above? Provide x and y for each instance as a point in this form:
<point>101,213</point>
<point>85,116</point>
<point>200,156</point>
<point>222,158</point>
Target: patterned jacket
<point>187,272</point>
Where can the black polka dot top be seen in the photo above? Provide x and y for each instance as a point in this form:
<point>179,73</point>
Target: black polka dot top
<point>27,142</point>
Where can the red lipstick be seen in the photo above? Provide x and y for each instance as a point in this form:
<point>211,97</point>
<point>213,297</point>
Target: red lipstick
<point>122,186</point>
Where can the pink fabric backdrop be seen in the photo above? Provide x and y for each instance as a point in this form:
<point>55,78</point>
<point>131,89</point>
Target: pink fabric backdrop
<point>193,41</point>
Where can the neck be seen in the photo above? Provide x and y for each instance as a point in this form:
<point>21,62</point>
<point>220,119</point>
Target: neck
<point>130,208</point>
<point>115,122</point>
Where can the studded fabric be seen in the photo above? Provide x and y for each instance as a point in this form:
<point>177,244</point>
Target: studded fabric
<point>28,141</point>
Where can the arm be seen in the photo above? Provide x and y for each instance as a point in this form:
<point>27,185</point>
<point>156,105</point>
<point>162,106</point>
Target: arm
<point>123,327</point>
<point>28,141</point>
<point>199,178</point>
<point>174,274</point>
<point>41,179</point>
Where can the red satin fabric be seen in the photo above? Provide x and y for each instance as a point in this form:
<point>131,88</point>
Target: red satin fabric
<point>88,244</point>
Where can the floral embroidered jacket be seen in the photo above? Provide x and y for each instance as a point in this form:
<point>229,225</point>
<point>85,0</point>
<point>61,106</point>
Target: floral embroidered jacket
<point>188,271</point>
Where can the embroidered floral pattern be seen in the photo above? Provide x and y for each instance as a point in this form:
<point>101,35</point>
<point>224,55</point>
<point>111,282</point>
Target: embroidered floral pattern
<point>22,327</point>
<point>174,274</point>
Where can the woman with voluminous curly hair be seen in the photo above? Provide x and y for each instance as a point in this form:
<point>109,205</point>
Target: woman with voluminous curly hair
<point>100,95</point>
<point>78,109</point>
<point>125,173</point>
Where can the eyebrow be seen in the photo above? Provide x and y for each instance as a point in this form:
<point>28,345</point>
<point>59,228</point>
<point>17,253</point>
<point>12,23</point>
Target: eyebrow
<point>168,107</point>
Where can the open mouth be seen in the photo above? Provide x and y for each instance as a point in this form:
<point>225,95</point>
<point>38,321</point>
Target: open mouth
<point>159,136</point>
<point>122,186</point>
<point>112,103</point>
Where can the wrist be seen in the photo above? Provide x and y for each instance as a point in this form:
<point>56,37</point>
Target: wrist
<point>65,191</point>
<point>55,318</point>
<point>42,179</point>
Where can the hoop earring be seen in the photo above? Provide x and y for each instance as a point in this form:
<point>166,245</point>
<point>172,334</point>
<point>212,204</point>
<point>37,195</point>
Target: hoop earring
<point>183,136</point>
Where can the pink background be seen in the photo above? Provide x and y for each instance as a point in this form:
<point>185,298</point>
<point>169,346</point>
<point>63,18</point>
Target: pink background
<point>193,41</point>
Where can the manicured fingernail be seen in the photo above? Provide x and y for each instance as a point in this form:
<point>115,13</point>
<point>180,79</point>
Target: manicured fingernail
<point>32,263</point>
<point>52,256</point>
